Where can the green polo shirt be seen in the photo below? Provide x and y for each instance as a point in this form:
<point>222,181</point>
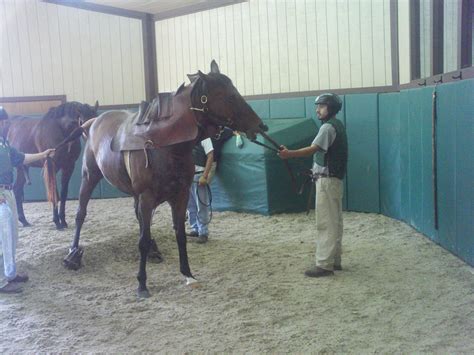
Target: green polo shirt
<point>6,169</point>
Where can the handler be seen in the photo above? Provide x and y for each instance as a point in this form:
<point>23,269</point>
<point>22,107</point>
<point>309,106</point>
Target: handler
<point>9,158</point>
<point>329,168</point>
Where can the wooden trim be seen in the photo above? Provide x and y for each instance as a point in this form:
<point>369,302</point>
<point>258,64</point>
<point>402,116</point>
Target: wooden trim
<point>99,8</point>
<point>394,40</point>
<point>149,57</point>
<point>13,99</point>
<point>415,67</point>
<point>118,107</point>
<point>375,89</point>
<point>465,33</point>
<point>207,5</point>
<point>437,36</point>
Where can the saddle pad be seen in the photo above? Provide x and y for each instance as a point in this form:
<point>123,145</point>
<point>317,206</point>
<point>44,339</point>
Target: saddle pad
<point>166,121</point>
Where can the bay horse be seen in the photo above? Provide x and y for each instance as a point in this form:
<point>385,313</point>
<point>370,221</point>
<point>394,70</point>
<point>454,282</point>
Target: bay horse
<point>32,135</point>
<point>163,169</point>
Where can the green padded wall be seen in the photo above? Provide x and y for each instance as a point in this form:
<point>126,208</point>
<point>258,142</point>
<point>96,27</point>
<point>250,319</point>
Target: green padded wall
<point>361,113</point>
<point>456,168</point>
<point>254,179</point>
<point>389,144</point>
<point>287,108</point>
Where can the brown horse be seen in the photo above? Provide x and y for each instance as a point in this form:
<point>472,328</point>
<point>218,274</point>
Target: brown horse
<point>164,171</point>
<point>31,135</point>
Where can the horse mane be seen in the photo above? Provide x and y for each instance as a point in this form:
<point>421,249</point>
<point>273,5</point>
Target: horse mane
<point>66,109</point>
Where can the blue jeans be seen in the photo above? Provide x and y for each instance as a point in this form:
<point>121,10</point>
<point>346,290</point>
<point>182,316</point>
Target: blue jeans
<point>198,207</point>
<point>8,234</point>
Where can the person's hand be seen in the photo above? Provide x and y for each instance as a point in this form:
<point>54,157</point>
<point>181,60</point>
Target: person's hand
<point>202,181</point>
<point>2,200</point>
<point>49,153</point>
<point>284,153</point>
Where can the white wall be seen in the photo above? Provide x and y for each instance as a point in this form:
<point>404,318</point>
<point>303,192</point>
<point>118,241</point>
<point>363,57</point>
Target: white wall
<point>404,41</point>
<point>278,46</point>
<point>46,49</point>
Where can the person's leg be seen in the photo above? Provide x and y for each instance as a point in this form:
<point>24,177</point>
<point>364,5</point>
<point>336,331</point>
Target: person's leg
<point>192,208</point>
<point>328,221</point>
<point>340,229</point>
<point>8,223</point>
<point>203,215</point>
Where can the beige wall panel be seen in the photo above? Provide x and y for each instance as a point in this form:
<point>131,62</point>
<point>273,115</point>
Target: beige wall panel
<point>56,48</point>
<point>292,47</point>
<point>355,48</point>
<point>277,46</point>
<point>334,54</point>
<point>302,42</point>
<point>52,50</point>
<point>323,44</point>
<point>312,45</point>
<point>44,41</point>
<point>6,69</point>
<point>137,65</point>
<point>450,53</point>
<point>378,40</point>
<point>404,41</point>
<point>344,53</point>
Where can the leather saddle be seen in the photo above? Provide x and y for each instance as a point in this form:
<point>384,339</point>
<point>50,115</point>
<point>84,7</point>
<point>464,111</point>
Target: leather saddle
<point>166,121</point>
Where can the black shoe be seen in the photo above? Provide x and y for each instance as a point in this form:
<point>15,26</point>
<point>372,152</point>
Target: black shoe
<point>337,267</point>
<point>20,277</point>
<point>202,239</point>
<point>11,287</point>
<point>192,234</point>
<point>318,272</point>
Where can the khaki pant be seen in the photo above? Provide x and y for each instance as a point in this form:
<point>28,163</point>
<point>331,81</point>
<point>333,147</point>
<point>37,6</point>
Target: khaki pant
<point>329,191</point>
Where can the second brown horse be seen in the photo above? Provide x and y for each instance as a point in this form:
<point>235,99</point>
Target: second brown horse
<point>31,135</point>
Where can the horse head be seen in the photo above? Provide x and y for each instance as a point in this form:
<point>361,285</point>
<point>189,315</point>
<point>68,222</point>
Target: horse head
<point>218,103</point>
<point>86,112</point>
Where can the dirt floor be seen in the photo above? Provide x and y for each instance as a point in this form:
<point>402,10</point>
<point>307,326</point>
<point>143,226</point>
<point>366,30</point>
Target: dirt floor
<point>398,292</point>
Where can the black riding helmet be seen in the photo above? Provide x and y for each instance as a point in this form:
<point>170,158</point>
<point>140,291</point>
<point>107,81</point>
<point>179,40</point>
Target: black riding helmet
<point>333,102</point>
<point>3,114</point>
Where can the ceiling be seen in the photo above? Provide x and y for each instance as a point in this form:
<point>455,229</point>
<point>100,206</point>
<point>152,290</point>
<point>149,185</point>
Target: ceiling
<point>165,8</point>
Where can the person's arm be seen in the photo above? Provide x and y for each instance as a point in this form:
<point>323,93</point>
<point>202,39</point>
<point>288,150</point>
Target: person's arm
<point>207,168</point>
<point>31,158</point>
<point>284,153</point>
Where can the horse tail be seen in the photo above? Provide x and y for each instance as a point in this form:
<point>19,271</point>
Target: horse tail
<point>49,176</point>
<point>72,137</point>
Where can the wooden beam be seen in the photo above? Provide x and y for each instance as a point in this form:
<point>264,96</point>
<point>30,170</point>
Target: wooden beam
<point>149,57</point>
<point>466,9</point>
<point>394,40</point>
<point>415,67</point>
<point>99,8</point>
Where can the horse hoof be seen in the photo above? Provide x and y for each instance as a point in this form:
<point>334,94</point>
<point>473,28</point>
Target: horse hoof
<point>73,260</point>
<point>143,293</point>
<point>64,225</point>
<point>193,283</point>
<point>25,223</point>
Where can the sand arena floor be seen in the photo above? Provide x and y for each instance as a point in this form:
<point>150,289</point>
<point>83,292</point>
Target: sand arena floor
<point>398,292</point>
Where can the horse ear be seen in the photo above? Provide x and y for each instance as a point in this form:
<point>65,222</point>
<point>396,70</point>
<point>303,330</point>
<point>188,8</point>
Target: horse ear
<point>192,77</point>
<point>96,106</point>
<point>202,75</point>
<point>214,67</point>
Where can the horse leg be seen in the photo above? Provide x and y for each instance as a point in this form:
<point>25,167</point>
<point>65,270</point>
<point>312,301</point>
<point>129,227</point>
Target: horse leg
<point>154,255</point>
<point>65,178</point>
<point>18,190</point>
<point>178,209</point>
<point>90,179</point>
<point>145,210</point>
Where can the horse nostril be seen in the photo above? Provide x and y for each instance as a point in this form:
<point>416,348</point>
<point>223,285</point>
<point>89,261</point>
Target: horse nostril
<point>264,127</point>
